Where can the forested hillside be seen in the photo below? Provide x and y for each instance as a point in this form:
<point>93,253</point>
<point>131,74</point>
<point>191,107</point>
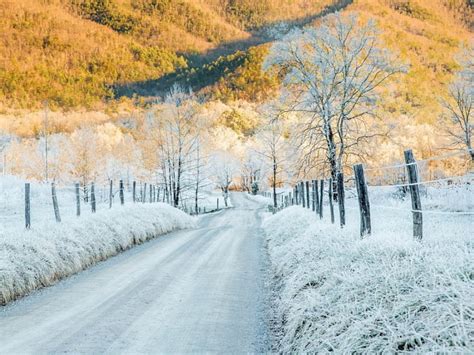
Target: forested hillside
<point>87,53</point>
<point>78,53</point>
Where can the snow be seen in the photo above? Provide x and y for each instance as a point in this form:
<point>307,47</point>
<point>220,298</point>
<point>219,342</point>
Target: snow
<point>50,251</point>
<point>383,294</point>
<point>261,199</point>
<point>207,200</point>
<point>190,291</point>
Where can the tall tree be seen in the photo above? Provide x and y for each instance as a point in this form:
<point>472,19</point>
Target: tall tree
<point>175,130</point>
<point>332,75</point>
<point>460,104</point>
<point>273,145</point>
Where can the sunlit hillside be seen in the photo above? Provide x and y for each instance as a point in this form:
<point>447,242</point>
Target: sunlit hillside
<point>104,54</point>
<point>427,34</point>
<point>80,53</point>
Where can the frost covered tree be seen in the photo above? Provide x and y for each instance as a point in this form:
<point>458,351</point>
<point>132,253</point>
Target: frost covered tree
<point>224,169</point>
<point>85,157</point>
<point>273,144</point>
<point>251,169</point>
<point>460,104</point>
<point>332,75</point>
<point>175,131</point>
<point>5,140</point>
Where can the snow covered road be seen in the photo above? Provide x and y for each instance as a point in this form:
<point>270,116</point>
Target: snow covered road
<point>189,291</point>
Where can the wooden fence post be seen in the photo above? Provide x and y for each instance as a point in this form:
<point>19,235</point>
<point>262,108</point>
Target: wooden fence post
<point>316,196</point>
<point>121,192</point>
<point>27,206</point>
<point>340,198</point>
<point>296,195</point>
<point>151,193</point>
<point>218,204</point>
<point>55,202</point>
<point>321,195</point>
<point>413,180</point>
<point>144,192</point>
<point>364,205</point>
<point>93,206</point>
<point>111,192</point>
<point>331,197</point>
<point>78,200</point>
<point>86,193</point>
<point>134,191</point>
<point>303,202</point>
<point>307,195</point>
<point>313,196</point>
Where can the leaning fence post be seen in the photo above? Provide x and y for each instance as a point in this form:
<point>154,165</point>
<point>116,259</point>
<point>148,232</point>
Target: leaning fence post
<point>55,202</point>
<point>413,180</point>
<point>93,206</point>
<point>330,194</point>
<point>27,206</point>
<point>340,198</point>
<point>321,190</point>
<point>78,200</point>
<point>111,192</point>
<point>364,205</point>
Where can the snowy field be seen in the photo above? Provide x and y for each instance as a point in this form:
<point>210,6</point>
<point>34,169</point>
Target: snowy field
<point>49,251</point>
<point>385,293</point>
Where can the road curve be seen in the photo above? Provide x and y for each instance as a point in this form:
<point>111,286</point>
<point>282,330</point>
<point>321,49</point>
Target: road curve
<point>189,291</point>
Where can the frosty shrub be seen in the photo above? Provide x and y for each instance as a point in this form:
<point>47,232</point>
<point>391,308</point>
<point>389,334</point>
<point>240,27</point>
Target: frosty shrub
<point>31,259</point>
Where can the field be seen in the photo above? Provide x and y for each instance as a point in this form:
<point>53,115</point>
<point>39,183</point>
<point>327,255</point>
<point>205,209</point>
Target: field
<point>334,291</point>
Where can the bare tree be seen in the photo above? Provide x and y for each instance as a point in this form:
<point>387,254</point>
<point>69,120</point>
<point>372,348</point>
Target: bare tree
<point>5,141</point>
<point>251,171</point>
<point>85,157</point>
<point>332,73</point>
<point>175,131</point>
<point>460,104</point>
<point>224,169</point>
<point>273,144</point>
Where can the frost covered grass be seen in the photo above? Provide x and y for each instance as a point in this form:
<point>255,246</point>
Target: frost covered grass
<point>31,259</point>
<point>385,293</point>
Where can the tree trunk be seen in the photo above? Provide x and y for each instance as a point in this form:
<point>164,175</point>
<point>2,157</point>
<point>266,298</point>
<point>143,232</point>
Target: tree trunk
<point>274,183</point>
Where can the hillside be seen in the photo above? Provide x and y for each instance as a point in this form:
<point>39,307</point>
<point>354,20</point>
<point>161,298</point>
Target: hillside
<point>83,53</point>
<point>78,53</point>
<point>427,34</point>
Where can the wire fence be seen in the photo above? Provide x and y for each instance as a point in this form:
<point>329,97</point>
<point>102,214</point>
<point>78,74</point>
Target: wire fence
<point>29,203</point>
<point>408,194</point>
